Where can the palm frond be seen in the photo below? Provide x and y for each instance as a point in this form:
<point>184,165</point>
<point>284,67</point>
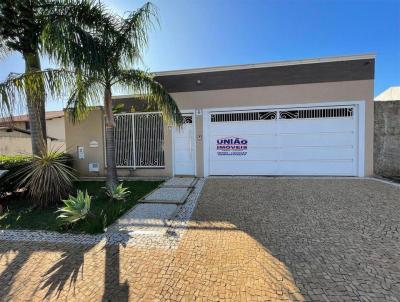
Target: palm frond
<point>69,44</point>
<point>86,91</point>
<point>16,88</point>
<point>142,83</point>
<point>87,12</point>
<point>70,35</point>
<point>4,50</point>
<point>133,32</point>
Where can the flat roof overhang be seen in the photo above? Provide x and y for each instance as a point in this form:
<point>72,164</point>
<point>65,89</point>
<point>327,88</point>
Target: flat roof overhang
<point>321,70</point>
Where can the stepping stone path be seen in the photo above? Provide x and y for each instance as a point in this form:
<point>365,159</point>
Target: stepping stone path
<point>179,182</point>
<point>174,191</point>
<point>151,215</point>
<point>167,195</point>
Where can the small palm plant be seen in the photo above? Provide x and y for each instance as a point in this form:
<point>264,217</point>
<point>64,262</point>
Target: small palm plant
<point>47,178</point>
<point>76,208</point>
<point>118,192</point>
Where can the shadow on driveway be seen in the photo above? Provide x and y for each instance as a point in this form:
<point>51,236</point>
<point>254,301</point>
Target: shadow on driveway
<point>59,271</point>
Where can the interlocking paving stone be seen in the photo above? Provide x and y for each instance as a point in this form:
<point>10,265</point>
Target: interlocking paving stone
<point>168,195</point>
<point>179,182</point>
<point>248,240</point>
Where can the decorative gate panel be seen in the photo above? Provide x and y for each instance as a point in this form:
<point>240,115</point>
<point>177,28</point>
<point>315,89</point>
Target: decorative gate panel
<point>139,140</point>
<point>149,140</point>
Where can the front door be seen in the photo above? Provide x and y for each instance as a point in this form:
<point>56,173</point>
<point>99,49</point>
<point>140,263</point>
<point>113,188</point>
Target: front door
<point>185,147</point>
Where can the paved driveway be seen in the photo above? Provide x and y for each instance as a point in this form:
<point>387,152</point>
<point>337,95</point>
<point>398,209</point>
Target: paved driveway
<point>257,239</point>
<point>321,239</point>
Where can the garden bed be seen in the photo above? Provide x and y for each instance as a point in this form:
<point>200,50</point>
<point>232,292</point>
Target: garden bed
<point>21,214</point>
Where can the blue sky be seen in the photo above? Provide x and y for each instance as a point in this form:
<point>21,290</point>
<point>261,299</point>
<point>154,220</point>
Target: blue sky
<point>196,33</point>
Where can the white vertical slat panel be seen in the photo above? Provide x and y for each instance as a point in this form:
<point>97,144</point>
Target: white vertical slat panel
<point>292,141</point>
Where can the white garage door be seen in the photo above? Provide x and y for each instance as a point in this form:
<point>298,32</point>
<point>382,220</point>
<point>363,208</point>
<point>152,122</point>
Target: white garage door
<point>295,141</point>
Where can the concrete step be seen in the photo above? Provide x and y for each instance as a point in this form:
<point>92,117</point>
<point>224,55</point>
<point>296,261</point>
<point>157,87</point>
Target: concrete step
<point>179,182</point>
<point>167,195</point>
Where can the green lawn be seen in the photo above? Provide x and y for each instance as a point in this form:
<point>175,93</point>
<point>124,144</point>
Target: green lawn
<point>21,214</point>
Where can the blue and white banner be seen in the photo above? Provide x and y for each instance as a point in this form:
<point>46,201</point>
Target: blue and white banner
<point>232,146</point>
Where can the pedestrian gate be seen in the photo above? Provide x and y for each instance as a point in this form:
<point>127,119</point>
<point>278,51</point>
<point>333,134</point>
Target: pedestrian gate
<point>139,140</point>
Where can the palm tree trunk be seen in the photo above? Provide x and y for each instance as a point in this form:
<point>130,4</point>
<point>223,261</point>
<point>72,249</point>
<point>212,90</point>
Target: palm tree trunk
<point>112,178</point>
<point>36,108</point>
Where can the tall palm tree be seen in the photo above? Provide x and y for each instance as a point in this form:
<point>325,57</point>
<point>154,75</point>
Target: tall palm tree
<point>26,27</point>
<point>114,49</point>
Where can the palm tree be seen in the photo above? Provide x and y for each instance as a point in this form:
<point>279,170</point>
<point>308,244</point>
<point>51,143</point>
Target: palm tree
<point>114,48</point>
<point>26,26</point>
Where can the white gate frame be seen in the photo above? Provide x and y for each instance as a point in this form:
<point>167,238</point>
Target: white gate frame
<point>133,114</point>
<point>193,114</point>
<point>359,114</point>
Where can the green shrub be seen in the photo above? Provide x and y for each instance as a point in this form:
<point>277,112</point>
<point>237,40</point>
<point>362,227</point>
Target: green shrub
<point>13,164</point>
<point>47,178</point>
<point>117,192</point>
<point>17,163</point>
<point>75,208</point>
<point>77,214</point>
<point>11,161</point>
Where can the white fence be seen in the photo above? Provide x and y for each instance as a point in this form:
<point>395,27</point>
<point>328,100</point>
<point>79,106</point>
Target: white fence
<point>139,140</point>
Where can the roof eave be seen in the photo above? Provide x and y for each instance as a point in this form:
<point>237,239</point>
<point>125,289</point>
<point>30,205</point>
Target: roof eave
<point>269,64</point>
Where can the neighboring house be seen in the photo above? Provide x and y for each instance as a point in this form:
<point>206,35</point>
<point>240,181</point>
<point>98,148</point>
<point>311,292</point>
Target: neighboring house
<point>15,133</point>
<point>387,133</point>
<point>390,94</point>
<point>306,117</point>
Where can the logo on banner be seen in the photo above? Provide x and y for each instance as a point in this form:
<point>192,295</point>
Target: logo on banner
<point>232,146</point>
